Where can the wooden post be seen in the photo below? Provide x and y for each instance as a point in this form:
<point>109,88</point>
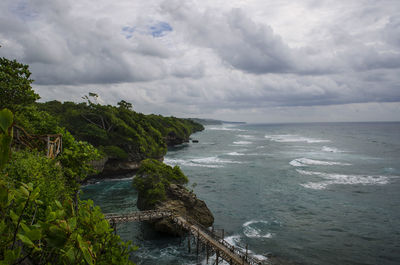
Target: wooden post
<point>197,245</point>
<point>189,241</point>
<point>48,146</point>
<point>247,251</point>
<point>217,257</point>
<point>223,236</point>
<point>207,252</point>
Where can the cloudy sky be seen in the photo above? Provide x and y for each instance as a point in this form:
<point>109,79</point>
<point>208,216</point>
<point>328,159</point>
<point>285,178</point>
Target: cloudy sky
<point>241,60</point>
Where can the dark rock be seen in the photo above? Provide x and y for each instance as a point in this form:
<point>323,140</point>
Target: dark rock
<point>172,139</point>
<point>195,141</point>
<point>181,202</point>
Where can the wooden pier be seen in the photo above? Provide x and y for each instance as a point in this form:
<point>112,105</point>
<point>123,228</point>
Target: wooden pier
<point>205,238</point>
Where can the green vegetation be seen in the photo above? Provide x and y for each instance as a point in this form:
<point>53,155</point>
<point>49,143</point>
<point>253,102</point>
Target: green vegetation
<point>15,85</point>
<point>6,121</point>
<point>42,220</point>
<point>120,132</point>
<point>152,179</point>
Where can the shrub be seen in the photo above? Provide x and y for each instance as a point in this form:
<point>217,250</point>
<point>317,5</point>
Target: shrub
<point>152,179</point>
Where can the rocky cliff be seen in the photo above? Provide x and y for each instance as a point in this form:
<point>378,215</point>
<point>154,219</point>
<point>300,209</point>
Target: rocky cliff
<point>160,187</point>
<point>181,202</point>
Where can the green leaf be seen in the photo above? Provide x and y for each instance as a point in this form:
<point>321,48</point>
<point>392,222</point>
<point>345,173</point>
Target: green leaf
<point>6,120</point>
<point>87,255</point>
<point>72,223</point>
<point>34,234</point>
<point>25,240</point>
<point>71,255</point>
<point>58,204</point>
<point>14,216</point>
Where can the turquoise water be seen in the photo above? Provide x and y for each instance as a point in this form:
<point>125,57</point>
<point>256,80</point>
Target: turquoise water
<point>308,193</point>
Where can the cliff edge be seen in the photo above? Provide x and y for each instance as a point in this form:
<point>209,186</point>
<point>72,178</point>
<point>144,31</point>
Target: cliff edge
<point>160,187</point>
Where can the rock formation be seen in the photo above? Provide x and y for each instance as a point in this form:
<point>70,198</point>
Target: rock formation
<point>181,202</point>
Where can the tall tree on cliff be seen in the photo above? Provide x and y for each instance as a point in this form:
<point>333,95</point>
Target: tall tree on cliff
<point>15,85</point>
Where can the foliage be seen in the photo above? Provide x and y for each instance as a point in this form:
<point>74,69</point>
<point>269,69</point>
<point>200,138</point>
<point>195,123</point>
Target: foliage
<point>139,136</point>
<point>39,224</point>
<point>36,121</point>
<point>45,174</point>
<point>76,158</point>
<point>61,236</point>
<point>6,121</point>
<point>15,85</point>
<point>153,177</point>
<point>114,152</point>
<point>125,105</point>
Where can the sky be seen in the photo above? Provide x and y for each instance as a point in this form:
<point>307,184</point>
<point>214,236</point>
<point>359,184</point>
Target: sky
<point>239,60</point>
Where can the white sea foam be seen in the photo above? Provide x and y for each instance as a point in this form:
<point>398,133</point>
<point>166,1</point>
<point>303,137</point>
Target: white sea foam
<point>188,163</point>
<point>331,149</point>
<point>235,241</point>
<point>246,136</point>
<point>342,179</point>
<point>226,129</point>
<point>235,154</point>
<point>213,160</point>
<point>292,138</point>
<point>242,142</point>
<point>302,162</point>
<point>252,229</point>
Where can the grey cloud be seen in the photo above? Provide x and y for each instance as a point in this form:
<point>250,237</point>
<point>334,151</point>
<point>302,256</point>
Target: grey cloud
<point>255,48</point>
<point>206,60</point>
<point>64,49</point>
<point>236,38</point>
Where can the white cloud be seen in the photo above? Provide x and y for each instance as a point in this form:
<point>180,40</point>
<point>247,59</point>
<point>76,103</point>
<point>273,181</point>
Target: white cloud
<point>231,60</point>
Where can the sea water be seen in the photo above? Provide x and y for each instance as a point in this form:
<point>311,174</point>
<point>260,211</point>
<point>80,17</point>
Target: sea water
<point>307,193</point>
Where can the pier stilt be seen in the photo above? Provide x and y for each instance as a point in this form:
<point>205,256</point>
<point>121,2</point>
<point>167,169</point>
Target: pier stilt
<point>189,242</point>
<point>197,244</point>
<point>247,251</point>
<point>207,252</point>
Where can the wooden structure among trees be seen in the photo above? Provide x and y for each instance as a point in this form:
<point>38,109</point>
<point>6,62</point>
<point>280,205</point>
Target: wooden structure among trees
<point>205,238</point>
<point>51,143</point>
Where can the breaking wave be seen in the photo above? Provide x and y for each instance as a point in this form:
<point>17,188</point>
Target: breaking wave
<point>242,142</point>
<point>331,149</point>
<point>292,138</point>
<point>254,229</point>
<point>211,162</point>
<point>302,162</point>
<point>235,154</point>
<point>226,129</point>
<point>332,179</point>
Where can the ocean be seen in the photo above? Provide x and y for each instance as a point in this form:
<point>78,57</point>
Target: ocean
<point>323,193</point>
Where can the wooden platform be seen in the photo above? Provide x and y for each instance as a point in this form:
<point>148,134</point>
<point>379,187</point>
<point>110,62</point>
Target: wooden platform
<point>204,237</point>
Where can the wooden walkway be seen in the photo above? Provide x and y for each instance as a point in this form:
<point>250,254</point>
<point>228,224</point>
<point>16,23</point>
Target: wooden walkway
<point>205,238</point>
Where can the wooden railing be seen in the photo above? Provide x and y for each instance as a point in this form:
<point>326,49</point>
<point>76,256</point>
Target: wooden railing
<point>211,241</point>
<point>51,143</point>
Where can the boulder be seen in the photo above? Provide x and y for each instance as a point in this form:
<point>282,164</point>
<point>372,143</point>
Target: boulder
<point>182,202</point>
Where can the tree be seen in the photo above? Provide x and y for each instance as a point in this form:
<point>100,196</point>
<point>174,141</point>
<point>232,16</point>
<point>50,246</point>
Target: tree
<point>6,121</point>
<point>15,85</point>
<point>125,105</point>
